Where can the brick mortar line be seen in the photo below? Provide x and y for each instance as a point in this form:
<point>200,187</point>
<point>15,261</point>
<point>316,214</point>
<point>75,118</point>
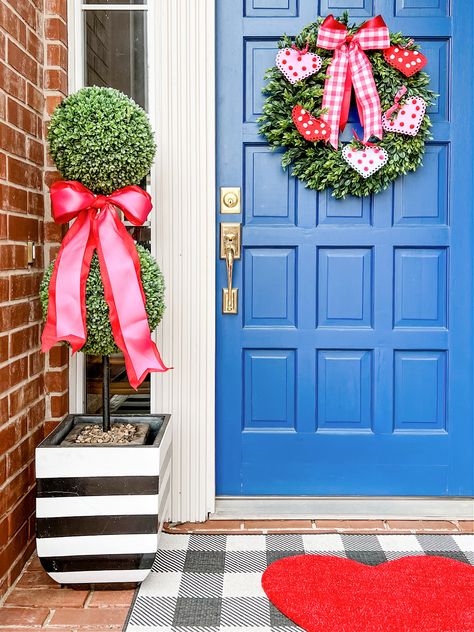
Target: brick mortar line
<point>39,113</point>
<point>27,436</point>
<point>20,17</point>
<point>24,355</point>
<point>52,612</point>
<point>40,34</point>
<point>26,214</point>
<point>12,478</point>
<point>22,271</point>
<point>14,583</point>
<point>21,158</point>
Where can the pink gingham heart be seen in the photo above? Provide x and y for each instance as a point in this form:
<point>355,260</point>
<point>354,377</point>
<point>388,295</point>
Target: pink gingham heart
<point>365,161</point>
<point>408,117</point>
<point>296,64</point>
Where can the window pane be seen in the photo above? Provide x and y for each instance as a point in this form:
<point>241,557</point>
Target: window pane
<point>115,55</point>
<point>115,50</point>
<point>115,1</point>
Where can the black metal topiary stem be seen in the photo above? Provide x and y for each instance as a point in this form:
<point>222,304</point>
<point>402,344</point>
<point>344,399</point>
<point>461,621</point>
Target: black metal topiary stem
<point>105,393</point>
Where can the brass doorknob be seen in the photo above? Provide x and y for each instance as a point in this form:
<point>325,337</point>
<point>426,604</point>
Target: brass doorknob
<point>230,251</point>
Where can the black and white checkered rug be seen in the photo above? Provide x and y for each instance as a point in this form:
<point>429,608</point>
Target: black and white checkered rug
<point>208,583</point>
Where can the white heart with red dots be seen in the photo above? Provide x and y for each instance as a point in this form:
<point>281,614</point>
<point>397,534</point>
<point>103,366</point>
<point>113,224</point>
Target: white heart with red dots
<point>365,161</point>
<point>407,118</point>
<point>296,65</point>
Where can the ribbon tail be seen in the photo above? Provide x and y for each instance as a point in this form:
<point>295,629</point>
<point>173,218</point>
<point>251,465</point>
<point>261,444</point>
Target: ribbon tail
<point>346,100</point>
<point>334,91</point>
<point>126,300</point>
<point>368,102</point>
<point>66,319</point>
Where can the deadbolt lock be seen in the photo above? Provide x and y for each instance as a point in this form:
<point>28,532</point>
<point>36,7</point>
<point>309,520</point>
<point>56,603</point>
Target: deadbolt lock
<point>230,200</point>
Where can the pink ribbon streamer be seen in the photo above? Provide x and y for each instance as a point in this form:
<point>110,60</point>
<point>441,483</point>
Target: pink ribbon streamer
<point>98,227</point>
<point>396,102</point>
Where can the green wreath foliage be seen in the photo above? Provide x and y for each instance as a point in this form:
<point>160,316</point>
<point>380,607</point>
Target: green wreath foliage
<point>318,165</point>
<point>102,138</point>
<point>100,340</point>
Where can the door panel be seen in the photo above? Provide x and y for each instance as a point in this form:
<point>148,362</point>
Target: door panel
<point>348,368</point>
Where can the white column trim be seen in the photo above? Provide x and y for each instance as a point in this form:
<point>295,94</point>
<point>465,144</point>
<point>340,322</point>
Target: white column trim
<point>184,199</point>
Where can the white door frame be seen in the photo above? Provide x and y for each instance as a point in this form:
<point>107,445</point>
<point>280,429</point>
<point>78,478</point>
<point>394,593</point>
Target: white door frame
<point>184,236</point>
<point>181,56</point>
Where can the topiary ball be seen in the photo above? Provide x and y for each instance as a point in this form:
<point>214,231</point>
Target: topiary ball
<point>102,138</point>
<point>100,340</point>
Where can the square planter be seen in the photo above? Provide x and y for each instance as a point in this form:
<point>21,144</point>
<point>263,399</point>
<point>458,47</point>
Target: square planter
<point>100,508</point>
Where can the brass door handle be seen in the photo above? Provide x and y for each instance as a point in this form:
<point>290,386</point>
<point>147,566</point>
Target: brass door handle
<point>230,251</point>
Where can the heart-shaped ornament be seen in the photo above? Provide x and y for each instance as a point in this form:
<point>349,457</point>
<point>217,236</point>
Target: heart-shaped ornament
<point>414,593</point>
<point>309,127</point>
<point>297,64</point>
<point>365,161</point>
<point>406,61</point>
<point>407,118</point>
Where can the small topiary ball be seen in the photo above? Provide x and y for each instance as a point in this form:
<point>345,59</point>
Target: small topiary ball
<point>102,138</point>
<point>100,340</point>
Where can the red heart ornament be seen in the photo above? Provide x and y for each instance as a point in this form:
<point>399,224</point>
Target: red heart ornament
<point>406,61</point>
<point>410,594</point>
<point>310,128</point>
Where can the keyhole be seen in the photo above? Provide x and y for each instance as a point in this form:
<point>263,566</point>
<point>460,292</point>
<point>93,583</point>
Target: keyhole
<point>230,200</point>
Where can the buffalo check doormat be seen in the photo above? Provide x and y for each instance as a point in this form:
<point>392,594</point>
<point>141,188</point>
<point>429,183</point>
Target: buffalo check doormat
<point>209,583</point>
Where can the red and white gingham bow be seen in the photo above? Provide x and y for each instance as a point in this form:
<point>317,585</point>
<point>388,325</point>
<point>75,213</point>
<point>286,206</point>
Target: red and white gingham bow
<point>351,67</point>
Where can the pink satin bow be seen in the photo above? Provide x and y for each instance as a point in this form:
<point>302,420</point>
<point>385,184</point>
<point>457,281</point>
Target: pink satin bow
<point>351,67</point>
<point>98,227</point>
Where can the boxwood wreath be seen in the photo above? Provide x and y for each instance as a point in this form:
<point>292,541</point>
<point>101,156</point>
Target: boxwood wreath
<point>318,165</point>
<point>100,138</point>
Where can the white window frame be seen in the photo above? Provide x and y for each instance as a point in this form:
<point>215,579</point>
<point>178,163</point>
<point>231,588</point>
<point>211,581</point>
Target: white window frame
<point>181,48</point>
<point>76,10</point>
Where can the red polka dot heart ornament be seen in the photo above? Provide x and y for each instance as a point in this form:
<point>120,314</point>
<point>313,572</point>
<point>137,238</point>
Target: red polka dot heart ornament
<point>408,62</point>
<point>404,118</point>
<point>365,161</point>
<point>310,128</point>
<point>297,64</point>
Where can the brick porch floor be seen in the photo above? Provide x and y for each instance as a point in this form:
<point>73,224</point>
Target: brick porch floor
<point>35,602</point>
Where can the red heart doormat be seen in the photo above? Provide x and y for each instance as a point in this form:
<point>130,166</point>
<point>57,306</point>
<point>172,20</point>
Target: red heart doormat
<point>410,594</point>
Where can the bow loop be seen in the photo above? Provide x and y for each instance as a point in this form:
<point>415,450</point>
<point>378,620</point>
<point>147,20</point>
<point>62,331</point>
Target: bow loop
<point>134,202</point>
<point>68,199</point>
<point>119,268</point>
<point>351,67</point>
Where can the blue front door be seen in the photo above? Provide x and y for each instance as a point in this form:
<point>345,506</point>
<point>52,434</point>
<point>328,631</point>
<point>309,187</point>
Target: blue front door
<point>348,367</point>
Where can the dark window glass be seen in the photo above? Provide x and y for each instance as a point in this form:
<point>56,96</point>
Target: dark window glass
<point>115,52</point>
<point>116,56</point>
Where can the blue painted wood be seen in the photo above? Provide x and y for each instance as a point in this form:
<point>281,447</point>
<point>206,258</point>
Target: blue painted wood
<point>349,367</point>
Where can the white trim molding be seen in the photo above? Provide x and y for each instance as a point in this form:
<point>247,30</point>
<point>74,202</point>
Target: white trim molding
<point>344,507</point>
<point>184,198</point>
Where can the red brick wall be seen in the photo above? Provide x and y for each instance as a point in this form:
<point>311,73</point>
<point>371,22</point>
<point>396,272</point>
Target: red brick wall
<point>33,387</point>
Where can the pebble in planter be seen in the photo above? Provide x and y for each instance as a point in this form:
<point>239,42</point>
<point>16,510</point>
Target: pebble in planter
<point>103,483</point>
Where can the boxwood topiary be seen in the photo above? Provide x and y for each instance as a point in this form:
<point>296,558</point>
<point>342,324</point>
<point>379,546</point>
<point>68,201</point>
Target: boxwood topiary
<point>100,340</point>
<point>102,138</point>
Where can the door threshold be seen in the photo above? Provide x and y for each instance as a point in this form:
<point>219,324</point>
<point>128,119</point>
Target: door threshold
<point>343,508</point>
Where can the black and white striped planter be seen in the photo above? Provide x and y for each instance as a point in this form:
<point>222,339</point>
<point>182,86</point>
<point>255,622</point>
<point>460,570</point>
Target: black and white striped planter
<point>100,509</point>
